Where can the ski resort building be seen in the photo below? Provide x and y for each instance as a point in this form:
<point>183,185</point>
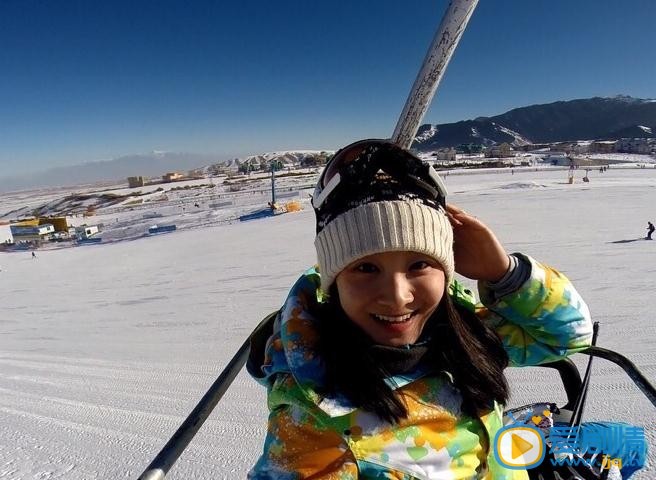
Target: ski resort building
<point>134,182</point>
<point>602,146</point>
<point>557,159</point>
<point>469,148</point>
<point>5,233</point>
<point>59,223</point>
<point>500,151</point>
<point>445,155</point>
<point>29,232</point>
<point>86,231</point>
<point>634,145</point>
<point>172,177</point>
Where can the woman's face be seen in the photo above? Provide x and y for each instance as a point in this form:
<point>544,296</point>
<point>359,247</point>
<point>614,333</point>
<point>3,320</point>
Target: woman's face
<point>391,295</point>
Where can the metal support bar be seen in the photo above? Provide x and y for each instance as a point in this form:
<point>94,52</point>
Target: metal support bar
<point>165,459</point>
<point>629,367</point>
<point>577,412</point>
<point>437,59</point>
<point>570,377</point>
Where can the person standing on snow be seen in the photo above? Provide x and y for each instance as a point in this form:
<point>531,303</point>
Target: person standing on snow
<point>650,230</point>
<point>380,364</point>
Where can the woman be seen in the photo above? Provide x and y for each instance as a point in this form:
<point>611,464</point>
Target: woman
<point>380,364</point>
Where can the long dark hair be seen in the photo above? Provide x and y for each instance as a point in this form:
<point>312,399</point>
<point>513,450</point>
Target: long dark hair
<point>458,342</point>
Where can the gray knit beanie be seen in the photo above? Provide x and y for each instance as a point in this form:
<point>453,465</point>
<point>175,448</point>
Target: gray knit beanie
<point>381,215</point>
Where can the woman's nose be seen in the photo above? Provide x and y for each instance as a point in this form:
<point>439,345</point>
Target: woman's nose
<point>395,291</point>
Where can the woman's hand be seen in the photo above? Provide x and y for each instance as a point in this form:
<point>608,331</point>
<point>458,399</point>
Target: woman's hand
<point>478,253</point>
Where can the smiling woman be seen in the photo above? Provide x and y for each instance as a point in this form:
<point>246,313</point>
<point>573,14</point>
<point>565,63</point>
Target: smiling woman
<point>380,364</point>
<point>391,295</point>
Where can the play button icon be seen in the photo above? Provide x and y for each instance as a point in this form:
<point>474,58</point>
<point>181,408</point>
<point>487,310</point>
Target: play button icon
<point>519,447</point>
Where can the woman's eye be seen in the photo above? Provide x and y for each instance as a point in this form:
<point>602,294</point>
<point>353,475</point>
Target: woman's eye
<point>419,265</point>
<point>366,268</point>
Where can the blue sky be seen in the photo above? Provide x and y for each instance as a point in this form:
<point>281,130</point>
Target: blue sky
<point>92,80</point>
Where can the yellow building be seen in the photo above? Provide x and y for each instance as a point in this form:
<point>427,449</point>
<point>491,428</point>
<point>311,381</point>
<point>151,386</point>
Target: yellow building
<point>60,223</point>
<point>172,176</point>
<point>30,222</point>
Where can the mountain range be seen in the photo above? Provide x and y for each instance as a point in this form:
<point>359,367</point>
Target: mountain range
<point>147,165</point>
<point>598,118</point>
<point>584,119</point>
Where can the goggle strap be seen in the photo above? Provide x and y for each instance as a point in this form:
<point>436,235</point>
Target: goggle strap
<point>438,181</point>
<point>435,192</point>
<point>321,197</point>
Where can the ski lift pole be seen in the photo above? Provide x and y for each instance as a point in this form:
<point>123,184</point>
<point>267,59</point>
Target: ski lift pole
<point>170,453</point>
<point>273,185</point>
<point>437,58</point>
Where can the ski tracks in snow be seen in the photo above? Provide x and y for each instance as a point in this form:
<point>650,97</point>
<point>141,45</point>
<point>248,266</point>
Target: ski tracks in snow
<point>50,406</point>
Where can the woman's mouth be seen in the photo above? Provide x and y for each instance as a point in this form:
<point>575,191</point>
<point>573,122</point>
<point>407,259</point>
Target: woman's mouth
<point>393,318</point>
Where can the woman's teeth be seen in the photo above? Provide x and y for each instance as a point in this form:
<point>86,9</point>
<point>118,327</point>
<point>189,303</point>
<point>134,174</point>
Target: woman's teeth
<point>393,318</point>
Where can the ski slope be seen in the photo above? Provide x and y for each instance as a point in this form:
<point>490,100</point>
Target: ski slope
<point>105,349</point>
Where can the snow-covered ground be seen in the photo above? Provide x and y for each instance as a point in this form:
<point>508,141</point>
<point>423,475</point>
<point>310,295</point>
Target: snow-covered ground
<point>624,157</point>
<point>105,349</point>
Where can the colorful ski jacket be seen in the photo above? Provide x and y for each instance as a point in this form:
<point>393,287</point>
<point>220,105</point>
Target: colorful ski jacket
<point>315,436</point>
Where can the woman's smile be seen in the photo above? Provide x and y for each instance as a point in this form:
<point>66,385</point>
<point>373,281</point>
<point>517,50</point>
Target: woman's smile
<point>393,318</point>
<point>391,295</point>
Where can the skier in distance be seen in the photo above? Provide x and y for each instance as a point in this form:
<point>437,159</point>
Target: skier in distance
<point>650,230</point>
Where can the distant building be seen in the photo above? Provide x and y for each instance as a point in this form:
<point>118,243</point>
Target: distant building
<point>27,231</point>
<point>499,151</point>
<point>445,155</point>
<point>86,231</point>
<point>59,223</point>
<point>469,148</point>
<point>134,182</point>
<point>5,233</point>
<point>197,173</point>
<point>558,158</point>
<point>634,145</point>
<point>25,222</point>
<point>530,147</point>
<point>603,146</point>
<point>172,177</point>
<point>580,148</point>
<point>566,147</point>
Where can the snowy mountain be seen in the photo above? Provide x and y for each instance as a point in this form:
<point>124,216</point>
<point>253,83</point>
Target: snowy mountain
<point>479,131</point>
<point>593,118</point>
<point>292,158</point>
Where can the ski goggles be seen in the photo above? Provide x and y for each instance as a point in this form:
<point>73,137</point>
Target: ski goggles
<point>356,166</point>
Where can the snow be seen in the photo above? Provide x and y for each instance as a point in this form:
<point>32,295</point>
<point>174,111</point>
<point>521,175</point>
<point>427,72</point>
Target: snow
<point>623,157</point>
<point>519,140</point>
<point>105,349</point>
<point>427,135</point>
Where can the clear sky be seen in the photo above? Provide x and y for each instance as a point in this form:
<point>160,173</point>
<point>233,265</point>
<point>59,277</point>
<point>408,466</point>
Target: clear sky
<point>87,80</point>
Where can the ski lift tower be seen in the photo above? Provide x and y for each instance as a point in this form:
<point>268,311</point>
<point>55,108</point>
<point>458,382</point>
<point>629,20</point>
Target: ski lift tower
<point>273,184</point>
